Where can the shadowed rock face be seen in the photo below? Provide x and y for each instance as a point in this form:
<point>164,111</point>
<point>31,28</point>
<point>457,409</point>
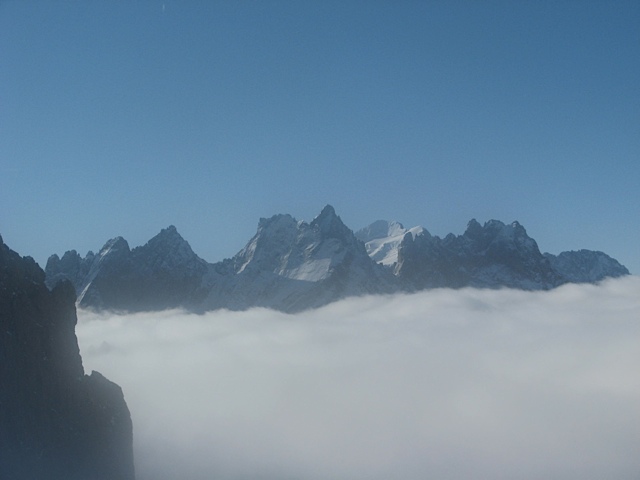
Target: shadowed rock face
<point>56,422</point>
<point>493,255</point>
<point>586,265</point>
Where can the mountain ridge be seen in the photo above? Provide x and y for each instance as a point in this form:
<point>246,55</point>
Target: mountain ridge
<point>292,265</point>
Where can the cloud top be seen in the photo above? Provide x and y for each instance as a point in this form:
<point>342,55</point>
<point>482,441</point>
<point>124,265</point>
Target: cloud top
<point>446,384</point>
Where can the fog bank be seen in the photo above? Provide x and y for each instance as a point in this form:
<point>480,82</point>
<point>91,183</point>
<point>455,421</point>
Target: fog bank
<point>443,384</point>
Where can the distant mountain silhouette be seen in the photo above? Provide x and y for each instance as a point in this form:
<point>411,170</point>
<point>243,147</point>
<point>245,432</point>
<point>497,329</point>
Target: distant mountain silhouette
<point>292,265</point>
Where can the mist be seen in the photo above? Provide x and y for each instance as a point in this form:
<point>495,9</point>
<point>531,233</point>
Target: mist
<point>443,384</point>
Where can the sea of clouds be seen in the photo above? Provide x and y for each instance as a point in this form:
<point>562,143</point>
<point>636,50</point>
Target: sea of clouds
<point>443,384</point>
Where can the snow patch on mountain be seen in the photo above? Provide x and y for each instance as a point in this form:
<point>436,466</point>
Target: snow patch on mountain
<point>382,239</point>
<point>113,252</point>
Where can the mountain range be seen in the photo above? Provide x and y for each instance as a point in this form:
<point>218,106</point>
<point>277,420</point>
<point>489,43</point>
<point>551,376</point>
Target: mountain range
<point>292,265</point>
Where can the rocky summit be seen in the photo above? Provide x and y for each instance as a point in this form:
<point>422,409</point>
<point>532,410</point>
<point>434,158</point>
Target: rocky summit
<point>292,265</point>
<point>56,423</point>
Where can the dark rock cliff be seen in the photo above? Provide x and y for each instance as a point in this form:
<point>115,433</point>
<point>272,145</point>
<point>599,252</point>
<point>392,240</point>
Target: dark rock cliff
<point>56,423</point>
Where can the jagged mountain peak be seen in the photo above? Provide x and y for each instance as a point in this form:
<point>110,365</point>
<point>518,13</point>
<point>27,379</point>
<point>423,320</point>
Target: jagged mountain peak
<point>296,249</point>
<point>168,238</point>
<point>330,225</point>
<point>327,211</point>
<point>327,223</point>
<point>276,224</point>
<point>326,217</point>
<point>167,250</point>
<point>170,232</point>
<point>293,265</point>
<point>495,231</point>
<point>505,228</point>
<point>473,225</point>
<point>117,244</point>
<point>275,221</point>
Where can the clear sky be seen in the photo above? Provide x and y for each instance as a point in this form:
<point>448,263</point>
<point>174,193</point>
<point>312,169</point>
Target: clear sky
<point>124,117</point>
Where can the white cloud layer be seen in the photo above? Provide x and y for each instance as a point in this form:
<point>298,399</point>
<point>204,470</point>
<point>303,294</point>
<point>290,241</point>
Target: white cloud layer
<point>495,384</point>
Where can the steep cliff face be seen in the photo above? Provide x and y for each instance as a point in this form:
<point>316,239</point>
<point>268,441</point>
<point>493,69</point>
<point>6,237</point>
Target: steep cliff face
<point>56,422</point>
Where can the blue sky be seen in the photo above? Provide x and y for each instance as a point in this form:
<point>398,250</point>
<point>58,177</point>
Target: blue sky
<point>123,117</point>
